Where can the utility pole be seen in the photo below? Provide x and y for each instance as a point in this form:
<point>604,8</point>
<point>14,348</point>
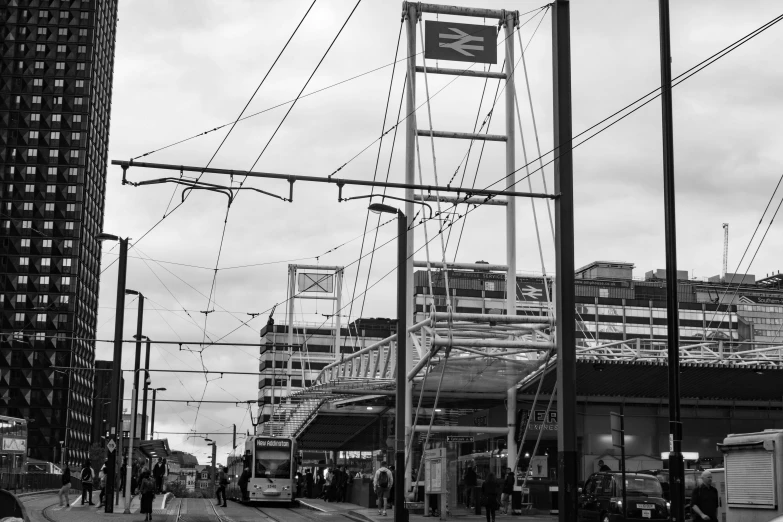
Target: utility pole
<point>509,25</point>
<point>116,373</point>
<point>676,464</point>
<point>144,394</point>
<point>567,458</point>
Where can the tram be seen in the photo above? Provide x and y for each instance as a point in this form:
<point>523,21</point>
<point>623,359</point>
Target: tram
<point>13,437</point>
<point>271,463</point>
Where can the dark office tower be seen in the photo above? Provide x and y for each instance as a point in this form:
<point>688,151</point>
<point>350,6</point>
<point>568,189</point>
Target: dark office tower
<point>56,72</point>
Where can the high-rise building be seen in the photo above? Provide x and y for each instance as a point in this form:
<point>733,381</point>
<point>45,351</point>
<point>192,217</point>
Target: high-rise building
<point>56,69</point>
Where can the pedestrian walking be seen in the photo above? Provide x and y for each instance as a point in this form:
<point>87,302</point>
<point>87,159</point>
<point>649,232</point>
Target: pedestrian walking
<point>244,478</point>
<point>158,470</point>
<point>88,477</point>
<point>471,481</point>
<point>65,480</point>
<point>345,481</point>
<point>147,492</point>
<point>102,485</point>
<point>222,479</point>
<point>123,472</point>
<point>508,490</point>
<point>309,483</point>
<point>134,476</point>
<point>489,494</point>
<point>390,498</point>
<point>382,482</point>
<point>704,499</point>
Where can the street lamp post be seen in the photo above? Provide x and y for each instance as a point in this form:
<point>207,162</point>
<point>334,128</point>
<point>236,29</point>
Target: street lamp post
<point>152,419</point>
<point>144,394</point>
<point>129,467</point>
<point>138,337</point>
<point>212,470</point>
<point>402,338</point>
<point>116,370</point>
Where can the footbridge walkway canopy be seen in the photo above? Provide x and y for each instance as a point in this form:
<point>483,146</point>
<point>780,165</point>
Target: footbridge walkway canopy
<point>466,362</point>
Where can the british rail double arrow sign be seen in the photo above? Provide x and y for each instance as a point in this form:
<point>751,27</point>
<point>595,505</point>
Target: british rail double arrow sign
<point>460,42</point>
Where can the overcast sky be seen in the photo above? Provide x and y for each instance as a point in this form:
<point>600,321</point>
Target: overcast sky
<point>182,68</point>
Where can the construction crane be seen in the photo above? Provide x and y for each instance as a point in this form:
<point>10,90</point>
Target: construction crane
<point>725,251</point>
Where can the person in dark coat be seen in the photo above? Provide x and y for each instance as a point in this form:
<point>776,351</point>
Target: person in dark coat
<point>123,473</point>
<point>158,470</point>
<point>704,500</point>
<point>309,483</point>
<point>222,480</point>
<point>489,492</point>
<point>134,476</point>
<point>471,481</point>
<point>147,492</point>
<point>345,480</point>
<point>508,490</point>
<point>88,477</point>
<point>65,480</point>
<point>244,479</point>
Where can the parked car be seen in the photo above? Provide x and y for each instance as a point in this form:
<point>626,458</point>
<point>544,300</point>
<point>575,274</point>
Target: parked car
<point>601,498</point>
<point>692,479</point>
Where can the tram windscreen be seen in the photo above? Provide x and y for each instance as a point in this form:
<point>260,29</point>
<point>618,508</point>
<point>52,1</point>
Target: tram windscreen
<point>272,458</point>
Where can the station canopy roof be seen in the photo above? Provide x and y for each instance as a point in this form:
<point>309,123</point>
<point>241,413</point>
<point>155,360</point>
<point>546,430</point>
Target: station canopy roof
<point>155,448</point>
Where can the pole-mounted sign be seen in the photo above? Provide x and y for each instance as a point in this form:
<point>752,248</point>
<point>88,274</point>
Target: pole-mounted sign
<point>460,42</point>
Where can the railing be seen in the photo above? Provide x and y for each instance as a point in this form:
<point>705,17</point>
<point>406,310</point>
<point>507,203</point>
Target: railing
<point>23,482</point>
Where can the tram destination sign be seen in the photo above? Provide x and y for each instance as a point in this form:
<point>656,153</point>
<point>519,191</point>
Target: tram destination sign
<point>459,438</point>
<point>460,42</point>
<point>273,443</point>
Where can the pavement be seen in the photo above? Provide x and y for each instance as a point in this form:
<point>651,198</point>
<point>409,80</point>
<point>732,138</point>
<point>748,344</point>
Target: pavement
<point>44,507</point>
<point>363,514</point>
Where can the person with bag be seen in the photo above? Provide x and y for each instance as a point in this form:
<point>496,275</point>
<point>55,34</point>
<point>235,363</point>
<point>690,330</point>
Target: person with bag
<point>147,492</point>
<point>489,496</point>
<point>87,479</point>
<point>102,482</point>
<point>65,480</point>
<point>222,483</point>
<point>383,482</point>
<point>508,491</point>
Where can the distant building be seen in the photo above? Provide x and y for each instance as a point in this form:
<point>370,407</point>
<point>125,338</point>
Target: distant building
<point>611,305</point>
<point>284,371</point>
<point>183,459</point>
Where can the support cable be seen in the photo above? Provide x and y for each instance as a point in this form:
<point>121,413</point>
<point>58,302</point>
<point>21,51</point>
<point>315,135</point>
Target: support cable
<point>375,171</point>
<point>538,440</point>
<point>532,409</point>
<point>434,407</point>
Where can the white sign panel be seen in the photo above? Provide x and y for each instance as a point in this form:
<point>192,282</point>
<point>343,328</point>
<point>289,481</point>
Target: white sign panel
<point>190,478</point>
<point>538,467</point>
<point>14,445</point>
<point>312,282</point>
<point>435,470</point>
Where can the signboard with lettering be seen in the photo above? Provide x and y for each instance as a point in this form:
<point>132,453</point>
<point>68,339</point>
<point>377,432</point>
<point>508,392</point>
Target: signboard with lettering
<point>762,300</point>
<point>273,443</point>
<point>542,421</point>
<point>459,438</point>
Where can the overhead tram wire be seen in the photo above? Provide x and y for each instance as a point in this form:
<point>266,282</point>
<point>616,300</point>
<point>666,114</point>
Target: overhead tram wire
<point>166,213</point>
<point>200,134</point>
<point>347,162</point>
<point>681,78</point>
<point>269,141</point>
<point>758,247</point>
<point>684,76</point>
<point>375,170</point>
